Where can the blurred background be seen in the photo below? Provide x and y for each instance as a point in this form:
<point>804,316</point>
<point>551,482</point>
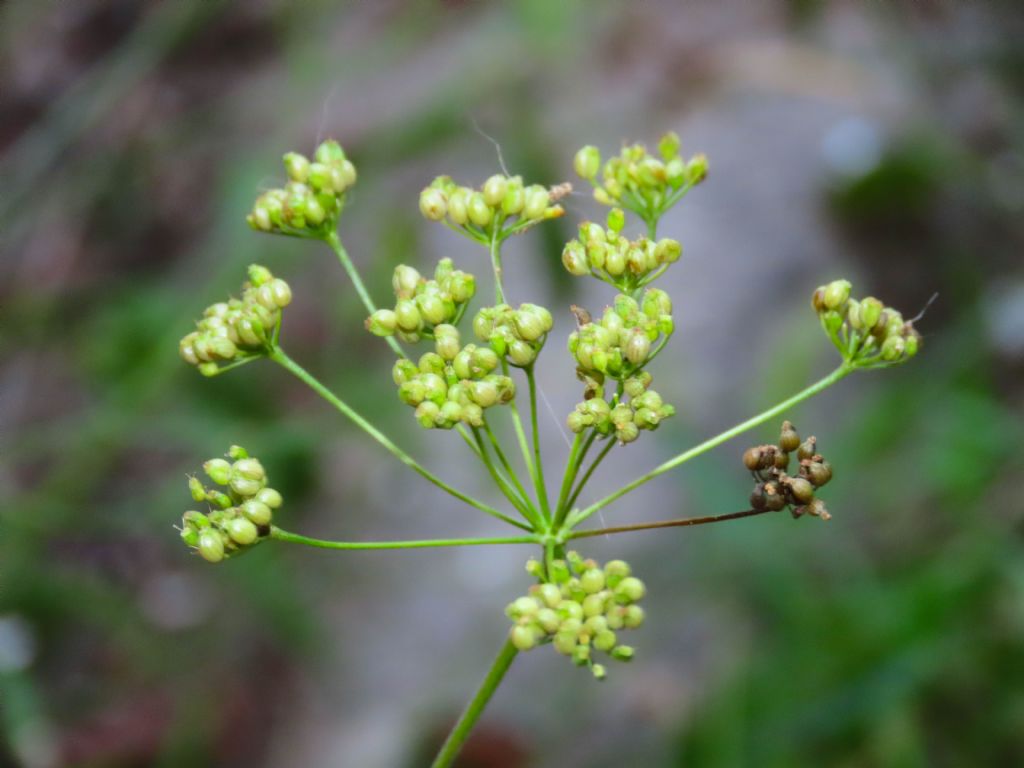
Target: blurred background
<point>883,142</point>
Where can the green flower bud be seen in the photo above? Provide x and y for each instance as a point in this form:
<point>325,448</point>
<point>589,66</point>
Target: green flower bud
<point>249,469</point>
<point>529,325</point>
<point>615,263</point>
<point>412,392</point>
<point>218,470</point>
<point>697,169</point>
<point>587,162</point>
<point>632,616</point>
<point>270,497</point>
<point>576,422</point>
<point>549,620</point>
<point>432,309</point>
<point>244,487</point>
<point>630,590</point>
<point>329,152</point>
<point>404,370</point>
<point>405,281</point>
<point>521,354</point>
<point>593,605</point>
<point>447,347</point>
<point>242,531</point>
<point>458,210</point>
<point>297,166</point>
<point>574,259</point>
<point>461,287</point>
<point>428,414</point>
<point>514,200</point>
<point>382,323</point>
<point>549,594</point>
<point>537,201</point>
<point>433,205</point>
<point>407,316</point>
<point>893,348</point>
<point>669,144</point>
<point>592,581</point>
<point>258,512</point>
<point>211,546</point>
<point>616,220</point>
<point>565,642</point>
<point>523,637</point>
<point>434,387</point>
<point>622,653</point>
<point>196,489</point>
<point>836,294</point>
<point>494,190</point>
<point>479,212</point>
<point>604,641</point>
<point>870,312</point>
<point>638,346</point>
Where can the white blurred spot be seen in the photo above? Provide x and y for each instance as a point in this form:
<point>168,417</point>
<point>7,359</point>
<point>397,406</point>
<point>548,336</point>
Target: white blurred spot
<point>852,147</point>
<point>1004,310</point>
<point>17,645</point>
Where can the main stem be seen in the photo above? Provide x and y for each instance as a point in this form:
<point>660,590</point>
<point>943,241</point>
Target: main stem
<point>540,485</point>
<point>335,242</point>
<point>279,357</point>
<point>839,373</point>
<point>452,745</point>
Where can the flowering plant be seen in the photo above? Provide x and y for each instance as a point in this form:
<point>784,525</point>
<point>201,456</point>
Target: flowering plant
<point>580,608</point>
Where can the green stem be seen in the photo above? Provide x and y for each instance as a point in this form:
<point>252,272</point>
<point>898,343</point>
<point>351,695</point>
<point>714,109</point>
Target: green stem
<point>839,373</point>
<point>296,538</point>
<point>450,749</point>
<point>279,357</point>
<point>683,522</point>
<point>495,248</point>
<point>520,503</point>
<point>589,473</point>
<point>511,473</point>
<point>539,484</point>
<point>334,241</point>
<point>570,474</point>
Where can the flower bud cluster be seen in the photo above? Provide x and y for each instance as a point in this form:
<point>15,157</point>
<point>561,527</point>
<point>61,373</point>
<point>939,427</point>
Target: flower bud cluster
<point>502,205</point>
<point>866,332</point>
<point>236,329</point>
<point>423,304</point>
<point>645,184</point>
<point>453,384</point>
<point>624,340</point>
<point>239,516</point>
<point>579,607</point>
<point>310,203</point>
<point>775,489</point>
<point>515,334</point>
<point>644,410</point>
<point>608,256</point>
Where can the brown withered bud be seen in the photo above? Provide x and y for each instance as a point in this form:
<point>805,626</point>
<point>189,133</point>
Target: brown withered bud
<point>801,490</point>
<point>774,500</point>
<point>758,501</point>
<point>752,458</point>
<point>817,509</point>
<point>817,472</point>
<point>818,299</point>
<point>789,440</point>
<point>807,448</point>
<point>781,459</point>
